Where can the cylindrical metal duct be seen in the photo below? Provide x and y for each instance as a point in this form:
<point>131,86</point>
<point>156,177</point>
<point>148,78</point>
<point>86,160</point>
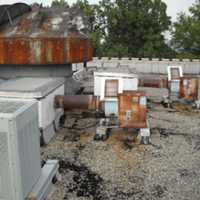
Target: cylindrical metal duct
<point>77,102</point>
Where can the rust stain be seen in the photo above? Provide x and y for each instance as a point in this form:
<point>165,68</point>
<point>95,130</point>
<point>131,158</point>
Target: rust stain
<point>154,83</point>
<point>76,102</point>
<point>44,36</point>
<point>116,141</point>
<point>189,88</point>
<point>86,137</point>
<point>43,51</point>
<point>130,101</point>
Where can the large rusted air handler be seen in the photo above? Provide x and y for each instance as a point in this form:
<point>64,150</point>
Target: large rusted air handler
<point>117,96</point>
<point>42,36</point>
<point>181,88</point>
<point>124,106</point>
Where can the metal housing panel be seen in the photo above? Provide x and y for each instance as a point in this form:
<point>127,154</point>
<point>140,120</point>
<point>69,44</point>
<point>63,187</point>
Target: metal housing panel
<point>29,87</point>
<point>43,90</point>
<point>20,145</point>
<point>125,82</point>
<point>47,104</point>
<point>132,109</point>
<point>40,36</point>
<point>189,88</point>
<point>111,107</point>
<point>130,84</point>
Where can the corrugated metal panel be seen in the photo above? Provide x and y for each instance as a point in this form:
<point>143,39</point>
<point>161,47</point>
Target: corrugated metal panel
<point>45,50</point>
<point>19,149</point>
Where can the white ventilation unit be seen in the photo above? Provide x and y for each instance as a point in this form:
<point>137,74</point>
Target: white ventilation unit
<point>126,81</point>
<point>19,149</point>
<point>44,91</point>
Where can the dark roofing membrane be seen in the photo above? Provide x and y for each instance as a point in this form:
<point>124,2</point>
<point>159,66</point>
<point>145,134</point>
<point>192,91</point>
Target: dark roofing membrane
<point>10,12</point>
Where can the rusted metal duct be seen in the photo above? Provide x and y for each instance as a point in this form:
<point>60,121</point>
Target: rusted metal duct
<point>77,102</point>
<point>153,83</point>
<point>46,36</point>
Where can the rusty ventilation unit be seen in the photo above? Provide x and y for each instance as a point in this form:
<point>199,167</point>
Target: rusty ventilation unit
<point>41,36</point>
<point>117,95</point>
<point>181,87</point>
<point>123,104</point>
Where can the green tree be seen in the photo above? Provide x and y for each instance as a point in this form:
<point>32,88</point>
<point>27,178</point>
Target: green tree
<point>59,3</point>
<point>134,27</point>
<point>126,27</point>
<point>186,33</point>
<point>91,12</point>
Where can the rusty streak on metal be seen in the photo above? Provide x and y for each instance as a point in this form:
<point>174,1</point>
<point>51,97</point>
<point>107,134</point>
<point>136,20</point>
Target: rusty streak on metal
<point>77,102</point>
<point>189,88</point>
<point>45,50</point>
<point>45,36</point>
<point>153,83</point>
<point>129,101</point>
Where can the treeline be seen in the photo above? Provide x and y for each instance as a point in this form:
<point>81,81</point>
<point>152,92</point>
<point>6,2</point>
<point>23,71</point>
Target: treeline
<point>138,28</point>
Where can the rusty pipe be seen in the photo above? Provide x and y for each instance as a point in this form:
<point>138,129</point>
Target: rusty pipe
<point>154,83</point>
<point>77,102</point>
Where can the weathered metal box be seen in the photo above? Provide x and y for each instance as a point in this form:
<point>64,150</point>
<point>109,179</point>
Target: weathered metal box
<point>189,88</point>
<point>44,91</point>
<point>19,149</point>
<point>174,86</point>
<point>43,36</point>
<point>108,85</point>
<point>198,95</point>
<point>132,109</point>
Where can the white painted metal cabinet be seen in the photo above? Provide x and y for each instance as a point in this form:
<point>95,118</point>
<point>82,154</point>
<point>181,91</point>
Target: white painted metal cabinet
<point>19,149</point>
<point>44,91</point>
<point>125,82</point>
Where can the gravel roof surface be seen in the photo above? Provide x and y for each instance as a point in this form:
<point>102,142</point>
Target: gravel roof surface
<point>121,168</point>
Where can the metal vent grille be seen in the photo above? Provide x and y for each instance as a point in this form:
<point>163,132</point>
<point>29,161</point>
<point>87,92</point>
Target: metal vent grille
<point>175,73</point>
<point>111,88</point>
<point>4,163</point>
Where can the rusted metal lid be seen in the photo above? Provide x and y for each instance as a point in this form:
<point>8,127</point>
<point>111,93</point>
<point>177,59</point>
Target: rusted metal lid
<point>45,36</point>
<point>133,93</point>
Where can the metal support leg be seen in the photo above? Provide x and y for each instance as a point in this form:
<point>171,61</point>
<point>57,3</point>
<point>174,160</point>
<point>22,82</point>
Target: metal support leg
<point>145,135</point>
<point>102,130</point>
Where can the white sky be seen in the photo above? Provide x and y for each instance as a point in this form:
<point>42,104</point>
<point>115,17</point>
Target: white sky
<point>174,6</point>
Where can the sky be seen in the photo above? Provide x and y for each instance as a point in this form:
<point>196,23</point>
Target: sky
<point>174,6</point>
